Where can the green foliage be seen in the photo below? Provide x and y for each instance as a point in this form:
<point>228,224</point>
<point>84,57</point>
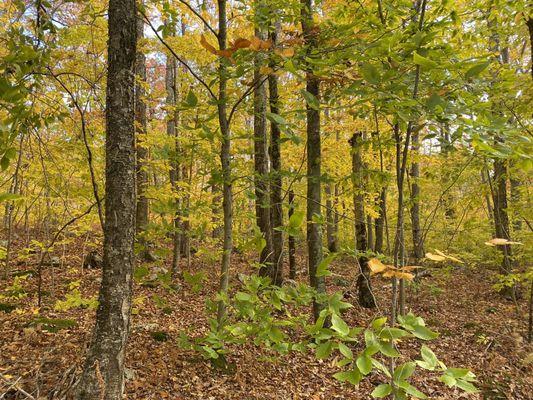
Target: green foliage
<point>259,312</point>
<point>74,299</point>
<point>53,324</point>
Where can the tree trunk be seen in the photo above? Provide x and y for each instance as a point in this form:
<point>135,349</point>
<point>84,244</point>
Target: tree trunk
<point>331,233</point>
<point>225,158</point>
<point>418,244</point>
<point>501,218</point>
<point>261,183</point>
<point>292,241</point>
<point>380,221</point>
<point>140,129</point>
<point>314,160</point>
<point>364,288</point>
<point>103,373</point>
<point>276,199</point>
<point>171,72</point>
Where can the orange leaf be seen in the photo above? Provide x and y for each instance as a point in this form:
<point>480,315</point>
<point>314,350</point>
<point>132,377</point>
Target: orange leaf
<point>206,45</point>
<point>241,43</point>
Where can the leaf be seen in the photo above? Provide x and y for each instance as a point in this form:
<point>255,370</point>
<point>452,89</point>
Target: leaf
<point>323,350</point>
<point>206,45</point>
<point>285,52</point>
<point>9,196</point>
<point>435,257</point>
<point>339,325</point>
<point>191,99</point>
<point>476,69</point>
<point>404,371</point>
<point>364,363</point>
<point>429,357</point>
<point>440,253</point>
<point>500,242</point>
<point>424,333</point>
<point>241,43</point>
<point>322,269</point>
<point>354,376</point>
<point>376,266</point>
<point>423,61</point>
<point>370,73</point>
<point>381,391</point>
<point>310,99</point>
<point>466,386</point>
<point>345,351</point>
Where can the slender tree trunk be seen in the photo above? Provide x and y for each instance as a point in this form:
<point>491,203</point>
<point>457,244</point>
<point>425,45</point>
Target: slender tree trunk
<point>140,129</point>
<point>418,241</point>
<point>103,373</point>
<point>364,288</point>
<point>292,240</point>
<point>215,209</point>
<point>276,187</point>
<point>501,218</point>
<point>225,158</point>
<point>380,221</point>
<point>171,72</point>
<point>331,233</point>
<point>261,178</point>
<point>314,160</point>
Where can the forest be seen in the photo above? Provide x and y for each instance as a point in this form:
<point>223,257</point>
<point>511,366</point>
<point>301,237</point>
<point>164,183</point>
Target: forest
<point>266,199</point>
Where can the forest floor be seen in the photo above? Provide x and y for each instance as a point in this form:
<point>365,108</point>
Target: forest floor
<point>478,330</point>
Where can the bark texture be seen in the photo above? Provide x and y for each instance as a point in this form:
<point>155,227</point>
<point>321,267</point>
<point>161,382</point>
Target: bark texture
<point>364,288</point>
<point>292,240</point>
<point>276,199</point>
<point>261,179</point>
<point>103,373</point>
<point>314,160</point>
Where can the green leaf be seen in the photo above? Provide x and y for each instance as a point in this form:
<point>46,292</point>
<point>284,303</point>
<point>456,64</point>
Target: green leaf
<point>424,333</point>
<point>354,376</point>
<point>476,69</point>
<point>448,380</point>
<point>410,389</point>
<point>322,269</point>
<point>404,371</point>
<point>276,118</point>
<point>191,99</point>
<point>370,73</point>
<point>296,219</point>
<point>345,351</point>
<point>466,386</point>
<point>388,349</point>
<point>9,196</point>
<point>310,99</point>
<point>378,323</point>
<point>241,296</point>
<point>429,357</point>
<point>381,391</point>
<point>338,324</point>
<point>392,333</point>
<point>323,350</point>
<point>423,61</point>
<point>364,363</point>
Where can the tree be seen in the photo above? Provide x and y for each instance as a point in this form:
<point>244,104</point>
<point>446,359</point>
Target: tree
<point>314,177</point>
<point>364,287</point>
<point>103,372</point>
<point>171,72</point>
<point>261,162</point>
<point>276,186</point>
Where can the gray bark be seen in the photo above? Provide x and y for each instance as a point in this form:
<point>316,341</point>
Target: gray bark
<point>364,288</point>
<point>314,160</point>
<point>103,373</point>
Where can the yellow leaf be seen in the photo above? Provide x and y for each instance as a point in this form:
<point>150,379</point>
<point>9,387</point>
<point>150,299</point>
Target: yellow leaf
<point>286,52</point>
<point>264,70</point>
<point>376,266</point>
<point>500,242</point>
<point>440,253</point>
<point>435,257</point>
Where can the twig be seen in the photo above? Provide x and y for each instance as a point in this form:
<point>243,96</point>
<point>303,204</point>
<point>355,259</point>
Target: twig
<point>14,385</point>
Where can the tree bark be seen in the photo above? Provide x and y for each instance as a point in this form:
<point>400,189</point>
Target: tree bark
<point>140,129</point>
<point>103,373</point>
<point>276,198</point>
<point>314,160</point>
<point>418,244</point>
<point>292,240</point>
<point>364,288</point>
<point>171,73</point>
<point>331,232</point>
<point>225,158</point>
<point>261,183</point>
